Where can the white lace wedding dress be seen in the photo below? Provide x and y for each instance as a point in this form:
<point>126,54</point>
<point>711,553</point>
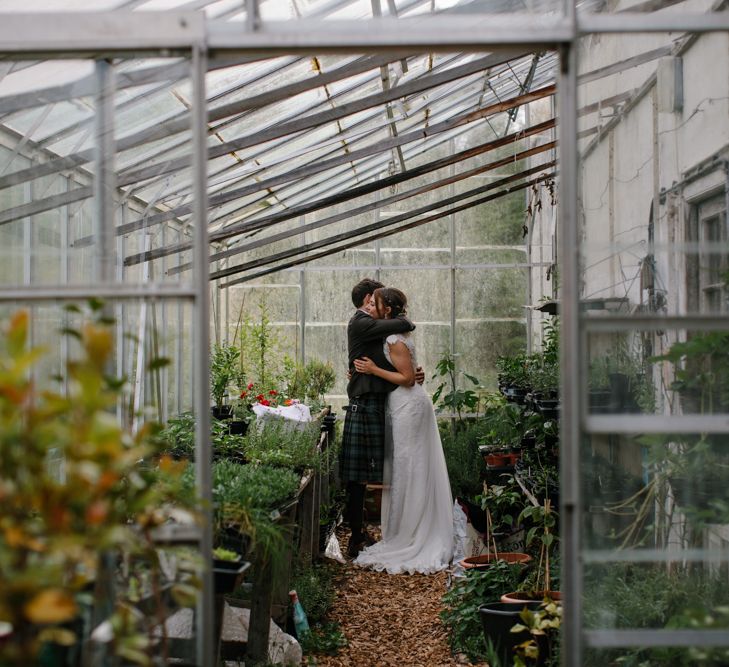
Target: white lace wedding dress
<point>417,507</point>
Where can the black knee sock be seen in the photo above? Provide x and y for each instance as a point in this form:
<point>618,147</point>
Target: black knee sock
<point>355,506</point>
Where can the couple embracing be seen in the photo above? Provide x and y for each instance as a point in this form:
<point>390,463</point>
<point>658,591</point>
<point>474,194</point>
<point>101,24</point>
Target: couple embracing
<point>391,436</point>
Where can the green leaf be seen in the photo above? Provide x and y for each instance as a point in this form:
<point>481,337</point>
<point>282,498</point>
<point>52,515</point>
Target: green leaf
<point>95,304</point>
<point>159,362</point>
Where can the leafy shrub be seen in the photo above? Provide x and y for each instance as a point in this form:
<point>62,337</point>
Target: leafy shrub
<point>324,639</point>
<point>460,614</point>
<point>178,438</point>
<point>315,587</point>
<point>463,460</point>
<point>648,596</point>
<point>277,445</point>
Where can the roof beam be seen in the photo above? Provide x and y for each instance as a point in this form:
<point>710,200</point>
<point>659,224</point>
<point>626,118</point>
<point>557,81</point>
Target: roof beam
<point>235,230</point>
<point>179,123</point>
<point>327,116</point>
<point>310,169</point>
<point>380,235</point>
<point>399,197</point>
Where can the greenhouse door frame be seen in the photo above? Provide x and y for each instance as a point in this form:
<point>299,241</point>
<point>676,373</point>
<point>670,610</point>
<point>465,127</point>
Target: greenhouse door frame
<point>98,37</point>
<point>102,35</point>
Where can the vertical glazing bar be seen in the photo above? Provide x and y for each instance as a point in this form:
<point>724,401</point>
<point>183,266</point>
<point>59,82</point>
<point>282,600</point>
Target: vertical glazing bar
<point>302,301</point>
<point>104,173</point>
<point>206,643</point>
<point>165,371</point>
<point>452,234</point>
<point>226,311</point>
<point>567,239</point>
<point>119,314</point>
<point>65,275</point>
<point>180,349</point>
<point>29,193</point>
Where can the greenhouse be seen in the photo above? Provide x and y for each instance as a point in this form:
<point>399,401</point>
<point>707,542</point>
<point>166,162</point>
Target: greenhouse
<point>189,192</point>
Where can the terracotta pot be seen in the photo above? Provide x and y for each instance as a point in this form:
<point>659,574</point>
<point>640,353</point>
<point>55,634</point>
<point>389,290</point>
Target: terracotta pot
<point>497,460</point>
<point>476,562</point>
<point>520,597</point>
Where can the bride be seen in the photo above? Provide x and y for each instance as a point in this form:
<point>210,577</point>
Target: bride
<point>417,518</point>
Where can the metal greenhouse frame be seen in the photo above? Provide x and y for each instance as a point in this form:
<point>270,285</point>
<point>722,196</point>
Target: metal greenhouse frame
<point>229,209</point>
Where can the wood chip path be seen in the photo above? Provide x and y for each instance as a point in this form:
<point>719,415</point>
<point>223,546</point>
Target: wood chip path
<point>390,621</point>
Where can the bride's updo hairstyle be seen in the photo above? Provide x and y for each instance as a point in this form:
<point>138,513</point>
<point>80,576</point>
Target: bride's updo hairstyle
<point>392,298</point>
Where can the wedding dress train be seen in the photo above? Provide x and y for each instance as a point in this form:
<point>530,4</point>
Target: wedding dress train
<point>417,514</point>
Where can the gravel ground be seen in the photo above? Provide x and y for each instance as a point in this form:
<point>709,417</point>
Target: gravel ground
<point>390,620</point>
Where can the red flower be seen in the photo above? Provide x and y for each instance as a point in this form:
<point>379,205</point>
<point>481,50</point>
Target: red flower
<point>243,394</point>
<point>250,386</point>
<point>273,392</point>
<point>259,398</point>
<point>264,401</point>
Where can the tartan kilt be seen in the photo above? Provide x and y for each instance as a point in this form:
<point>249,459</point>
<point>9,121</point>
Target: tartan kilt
<point>363,439</point>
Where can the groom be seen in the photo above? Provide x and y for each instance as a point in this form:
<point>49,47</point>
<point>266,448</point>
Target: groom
<point>363,440</point>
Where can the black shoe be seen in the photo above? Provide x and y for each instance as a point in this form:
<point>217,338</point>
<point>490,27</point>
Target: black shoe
<point>359,542</point>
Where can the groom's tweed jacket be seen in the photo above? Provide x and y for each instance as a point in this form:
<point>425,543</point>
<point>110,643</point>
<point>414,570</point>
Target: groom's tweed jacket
<point>363,440</point>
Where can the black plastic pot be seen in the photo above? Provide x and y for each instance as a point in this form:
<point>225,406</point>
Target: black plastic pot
<point>228,574</point>
<point>514,394</point>
<point>236,427</point>
<point>497,619</point>
<point>222,412</point>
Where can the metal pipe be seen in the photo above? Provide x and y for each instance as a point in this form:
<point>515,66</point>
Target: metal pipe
<point>206,645</point>
<point>568,244</point>
<point>104,186</point>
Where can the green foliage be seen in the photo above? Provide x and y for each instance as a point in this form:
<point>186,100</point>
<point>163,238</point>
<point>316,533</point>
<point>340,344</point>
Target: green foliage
<point>237,487</point>
<point>260,357</point>
<point>634,596</point>
<point>178,438</point>
<point>455,400</point>
<point>309,382</point>
<point>460,605</point>
<point>55,526</point>
<point>514,371</point>
<point>463,460</point>
<point>503,423</point>
<point>314,584</point>
<point>224,362</point>
<point>225,554</point>
<point>324,639</point>
<point>543,625</point>
<point>540,521</point>
<point>505,503</point>
<point>701,367</point>
<point>276,444</point>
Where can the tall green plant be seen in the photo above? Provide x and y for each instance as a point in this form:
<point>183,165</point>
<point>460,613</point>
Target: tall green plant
<point>224,363</point>
<point>448,395</point>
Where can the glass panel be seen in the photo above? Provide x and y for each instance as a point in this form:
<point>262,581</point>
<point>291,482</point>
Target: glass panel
<point>653,243</point>
<point>47,170</point>
<point>642,7</point>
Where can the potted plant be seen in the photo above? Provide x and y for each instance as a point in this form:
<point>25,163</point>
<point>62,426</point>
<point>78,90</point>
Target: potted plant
<point>228,570</point>
<point>493,554</point>
<point>505,503</point>
<point>224,368</point>
<point>543,519</point>
<point>514,380</point>
<point>461,603</point>
<point>498,619</point>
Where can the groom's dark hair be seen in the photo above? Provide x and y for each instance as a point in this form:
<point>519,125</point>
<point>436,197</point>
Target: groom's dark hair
<point>362,289</point>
